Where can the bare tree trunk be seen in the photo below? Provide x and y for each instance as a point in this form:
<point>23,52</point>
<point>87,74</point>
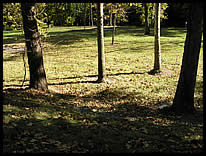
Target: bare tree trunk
<point>34,50</point>
<point>114,25</point>
<point>184,97</point>
<point>85,14</point>
<point>157,48</point>
<point>110,16</point>
<point>91,15</point>
<point>77,14</point>
<point>146,26</point>
<point>100,33</point>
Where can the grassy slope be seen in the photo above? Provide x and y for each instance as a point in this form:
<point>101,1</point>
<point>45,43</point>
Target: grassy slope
<point>80,115</point>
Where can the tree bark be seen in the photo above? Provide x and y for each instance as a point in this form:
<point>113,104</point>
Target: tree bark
<point>34,50</point>
<point>100,34</point>
<point>157,48</point>
<point>91,15</point>
<point>146,25</point>
<point>85,14</point>
<point>114,25</point>
<point>184,97</point>
<point>110,16</point>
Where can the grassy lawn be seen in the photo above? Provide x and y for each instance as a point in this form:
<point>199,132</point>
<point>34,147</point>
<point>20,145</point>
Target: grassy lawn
<point>120,115</point>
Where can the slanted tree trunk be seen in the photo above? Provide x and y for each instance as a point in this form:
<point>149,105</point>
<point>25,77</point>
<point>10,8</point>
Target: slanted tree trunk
<point>146,25</point>
<point>33,46</point>
<point>100,34</point>
<point>184,97</point>
<point>157,49</point>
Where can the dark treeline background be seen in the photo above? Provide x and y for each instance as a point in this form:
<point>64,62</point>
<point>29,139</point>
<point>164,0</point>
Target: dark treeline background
<point>84,14</point>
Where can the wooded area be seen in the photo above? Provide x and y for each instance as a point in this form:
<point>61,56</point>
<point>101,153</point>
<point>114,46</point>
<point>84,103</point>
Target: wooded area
<point>105,77</point>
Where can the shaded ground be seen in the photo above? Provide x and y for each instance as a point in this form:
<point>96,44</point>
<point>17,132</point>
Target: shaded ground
<point>53,122</point>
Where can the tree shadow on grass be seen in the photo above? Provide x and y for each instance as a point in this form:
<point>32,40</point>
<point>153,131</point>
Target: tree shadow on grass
<point>78,77</point>
<point>51,122</point>
<point>71,36</point>
<point>170,32</point>
<point>91,76</point>
<point>14,39</point>
<point>12,58</point>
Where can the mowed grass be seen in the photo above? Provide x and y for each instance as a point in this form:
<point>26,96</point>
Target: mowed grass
<point>79,115</point>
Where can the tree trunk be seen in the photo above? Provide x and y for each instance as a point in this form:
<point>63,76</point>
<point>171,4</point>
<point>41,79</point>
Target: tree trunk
<point>146,25</point>
<point>157,50</point>
<point>77,13</point>
<point>85,14</point>
<point>184,97</point>
<point>110,16</point>
<point>100,34</point>
<point>34,50</point>
<point>91,15</point>
<point>114,25</point>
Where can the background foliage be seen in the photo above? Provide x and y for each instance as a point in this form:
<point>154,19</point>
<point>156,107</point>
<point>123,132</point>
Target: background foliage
<point>79,14</point>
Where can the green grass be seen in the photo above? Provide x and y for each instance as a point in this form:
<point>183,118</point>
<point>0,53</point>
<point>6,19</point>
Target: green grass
<point>79,115</point>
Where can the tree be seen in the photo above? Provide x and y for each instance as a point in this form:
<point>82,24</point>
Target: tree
<point>157,50</point>
<point>85,14</point>
<point>91,23</point>
<point>114,25</point>
<point>146,25</point>
<point>33,45</point>
<point>184,97</point>
<point>146,14</point>
<point>118,10</point>
<point>110,16</point>
<point>100,34</point>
